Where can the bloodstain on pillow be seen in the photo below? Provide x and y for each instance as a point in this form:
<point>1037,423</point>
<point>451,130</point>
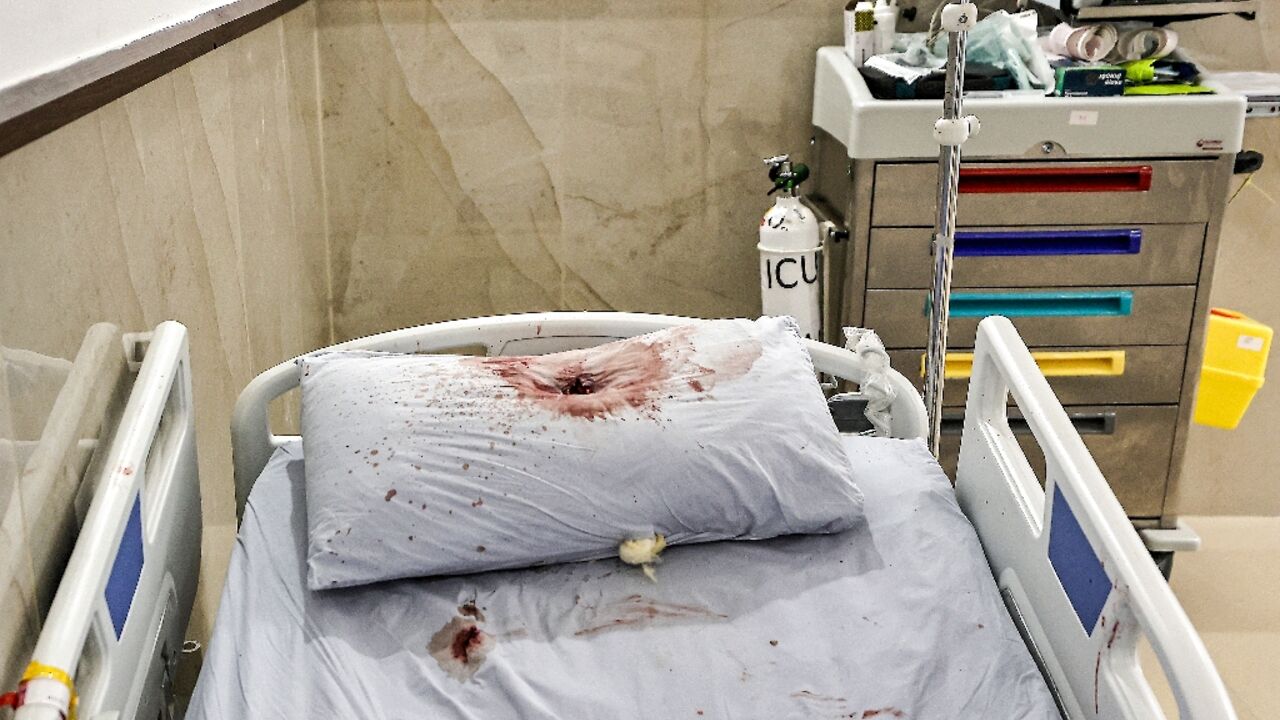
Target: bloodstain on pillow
<point>633,374</point>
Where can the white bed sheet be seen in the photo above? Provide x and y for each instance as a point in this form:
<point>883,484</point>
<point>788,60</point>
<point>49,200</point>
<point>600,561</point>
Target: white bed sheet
<point>896,618</point>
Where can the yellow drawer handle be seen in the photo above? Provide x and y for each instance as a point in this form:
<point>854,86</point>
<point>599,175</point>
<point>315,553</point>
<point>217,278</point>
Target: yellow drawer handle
<point>1068,363</point>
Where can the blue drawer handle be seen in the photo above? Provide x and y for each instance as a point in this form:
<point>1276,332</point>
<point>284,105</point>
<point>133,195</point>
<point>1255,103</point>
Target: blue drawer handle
<point>988,243</point>
<point>1041,304</point>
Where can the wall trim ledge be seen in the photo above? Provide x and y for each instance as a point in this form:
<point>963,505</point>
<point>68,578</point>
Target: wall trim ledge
<point>36,107</point>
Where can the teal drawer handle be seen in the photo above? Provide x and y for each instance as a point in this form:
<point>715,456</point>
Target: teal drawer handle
<point>1041,304</point>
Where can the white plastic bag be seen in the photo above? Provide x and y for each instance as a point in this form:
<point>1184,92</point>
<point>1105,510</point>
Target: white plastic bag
<point>876,388</point>
<point>1003,40</point>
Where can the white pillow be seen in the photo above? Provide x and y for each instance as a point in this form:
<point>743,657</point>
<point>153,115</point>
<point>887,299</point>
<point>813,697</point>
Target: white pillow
<point>420,465</point>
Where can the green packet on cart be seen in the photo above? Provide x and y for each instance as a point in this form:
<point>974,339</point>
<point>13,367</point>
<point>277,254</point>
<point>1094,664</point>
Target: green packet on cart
<point>1159,76</point>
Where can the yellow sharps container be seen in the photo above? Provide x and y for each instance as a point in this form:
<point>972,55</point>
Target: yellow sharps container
<point>1235,358</point>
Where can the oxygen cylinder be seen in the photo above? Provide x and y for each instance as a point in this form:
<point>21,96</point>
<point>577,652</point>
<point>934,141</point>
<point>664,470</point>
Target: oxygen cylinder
<point>791,251</point>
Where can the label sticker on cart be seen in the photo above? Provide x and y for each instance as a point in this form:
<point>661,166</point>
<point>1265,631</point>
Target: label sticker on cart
<point>1250,342</point>
<point>1077,565</point>
<point>1083,117</point>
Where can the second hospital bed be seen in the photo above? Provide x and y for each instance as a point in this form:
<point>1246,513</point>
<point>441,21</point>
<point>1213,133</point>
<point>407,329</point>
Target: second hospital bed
<point>1000,598</point>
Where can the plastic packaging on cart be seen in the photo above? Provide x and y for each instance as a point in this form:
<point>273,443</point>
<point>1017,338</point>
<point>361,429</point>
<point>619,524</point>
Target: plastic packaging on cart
<point>886,16</point>
<point>1001,40</point>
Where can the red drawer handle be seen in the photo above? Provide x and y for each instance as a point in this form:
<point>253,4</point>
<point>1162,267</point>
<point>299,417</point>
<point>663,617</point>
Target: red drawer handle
<point>1135,178</point>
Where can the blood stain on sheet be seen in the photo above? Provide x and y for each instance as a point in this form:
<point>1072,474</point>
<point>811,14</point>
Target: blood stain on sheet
<point>477,502</point>
<point>773,643</point>
<point>637,610</point>
<point>469,609</point>
<point>126,470</point>
<point>373,452</point>
<point>460,647</point>
<point>390,494</point>
<point>884,712</point>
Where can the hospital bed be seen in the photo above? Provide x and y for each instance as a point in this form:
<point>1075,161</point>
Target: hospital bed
<point>1078,586</point>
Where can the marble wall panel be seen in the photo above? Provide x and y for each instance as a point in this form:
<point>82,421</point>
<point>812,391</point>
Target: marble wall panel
<point>504,156</point>
<point>198,198</point>
<point>1233,472</point>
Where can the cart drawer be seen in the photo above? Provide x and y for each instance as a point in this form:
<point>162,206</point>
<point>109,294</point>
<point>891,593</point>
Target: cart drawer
<point>1085,317</point>
<point>1135,375</point>
<point>1021,257</point>
<point>1131,444</point>
<point>1053,193</point>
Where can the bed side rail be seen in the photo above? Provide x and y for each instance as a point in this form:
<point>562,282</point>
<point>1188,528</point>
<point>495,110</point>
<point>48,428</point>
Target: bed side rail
<point>91,389</point>
<point>525,334</point>
<point>1078,580</point>
<point>117,619</point>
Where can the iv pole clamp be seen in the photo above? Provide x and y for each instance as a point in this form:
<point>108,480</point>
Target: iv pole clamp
<point>951,130</point>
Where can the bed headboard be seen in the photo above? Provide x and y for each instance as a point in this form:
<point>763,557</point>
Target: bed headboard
<point>526,334</point>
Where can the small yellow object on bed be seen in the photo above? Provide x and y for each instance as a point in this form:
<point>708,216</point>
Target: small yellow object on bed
<point>643,552</point>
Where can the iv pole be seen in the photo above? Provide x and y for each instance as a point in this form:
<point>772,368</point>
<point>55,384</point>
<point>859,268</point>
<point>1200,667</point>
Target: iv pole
<point>950,131</point>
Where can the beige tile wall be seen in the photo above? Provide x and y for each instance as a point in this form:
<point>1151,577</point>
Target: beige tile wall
<point>506,155</point>
<point>1238,472</point>
<point>198,198</point>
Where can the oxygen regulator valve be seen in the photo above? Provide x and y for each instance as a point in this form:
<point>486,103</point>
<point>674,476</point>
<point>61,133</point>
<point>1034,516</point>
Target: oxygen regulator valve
<point>791,251</point>
<point>786,175</point>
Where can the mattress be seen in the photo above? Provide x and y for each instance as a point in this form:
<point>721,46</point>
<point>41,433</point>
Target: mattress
<point>898,617</point>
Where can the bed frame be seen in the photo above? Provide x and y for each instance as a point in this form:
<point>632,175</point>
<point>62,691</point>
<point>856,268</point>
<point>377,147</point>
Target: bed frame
<point>1075,576</point>
<point>117,621</point>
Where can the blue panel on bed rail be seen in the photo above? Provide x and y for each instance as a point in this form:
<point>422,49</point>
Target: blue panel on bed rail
<point>987,243</point>
<point>126,570</point>
<point>1077,565</point>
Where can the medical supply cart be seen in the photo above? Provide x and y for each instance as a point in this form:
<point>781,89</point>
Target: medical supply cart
<point>1092,223</point>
